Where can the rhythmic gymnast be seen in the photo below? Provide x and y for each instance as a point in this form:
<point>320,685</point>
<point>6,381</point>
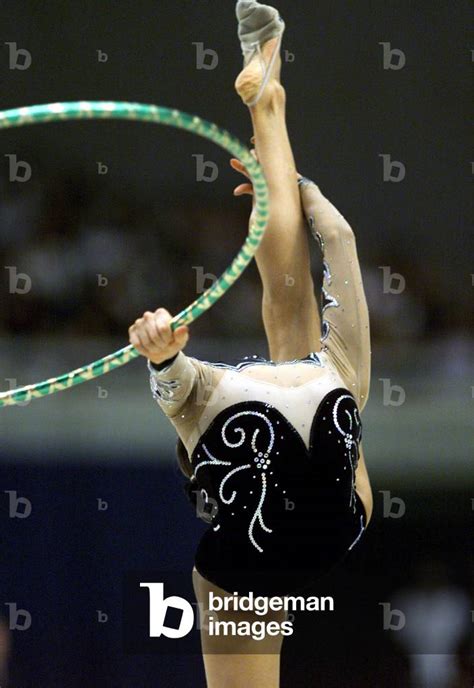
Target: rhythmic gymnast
<point>273,445</point>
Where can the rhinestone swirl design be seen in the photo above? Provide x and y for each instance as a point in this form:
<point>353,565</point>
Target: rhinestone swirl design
<point>259,461</point>
<point>328,300</point>
<point>351,437</point>
<point>163,390</point>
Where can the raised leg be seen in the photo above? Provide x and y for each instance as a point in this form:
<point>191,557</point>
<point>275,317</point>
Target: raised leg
<point>289,308</point>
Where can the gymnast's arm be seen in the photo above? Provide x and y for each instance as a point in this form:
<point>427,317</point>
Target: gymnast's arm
<point>173,375</point>
<point>345,327</point>
<point>346,330</point>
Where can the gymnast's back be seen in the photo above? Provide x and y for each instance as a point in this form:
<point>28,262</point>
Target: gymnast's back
<point>274,447</point>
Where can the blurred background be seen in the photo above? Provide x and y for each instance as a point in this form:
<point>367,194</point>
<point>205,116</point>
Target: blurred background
<point>100,221</point>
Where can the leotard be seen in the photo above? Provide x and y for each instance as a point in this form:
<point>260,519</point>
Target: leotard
<point>274,446</point>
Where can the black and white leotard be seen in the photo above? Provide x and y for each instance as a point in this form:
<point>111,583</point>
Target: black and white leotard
<point>274,447</point>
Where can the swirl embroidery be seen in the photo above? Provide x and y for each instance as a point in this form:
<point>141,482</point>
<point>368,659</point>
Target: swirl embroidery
<point>163,390</point>
<point>351,439</point>
<point>261,463</point>
<point>328,300</point>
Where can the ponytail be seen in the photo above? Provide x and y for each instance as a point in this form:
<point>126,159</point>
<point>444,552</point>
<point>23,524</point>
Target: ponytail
<point>186,469</point>
<point>183,459</point>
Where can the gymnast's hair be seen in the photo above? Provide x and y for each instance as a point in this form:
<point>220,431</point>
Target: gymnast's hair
<point>190,485</point>
<point>183,460</point>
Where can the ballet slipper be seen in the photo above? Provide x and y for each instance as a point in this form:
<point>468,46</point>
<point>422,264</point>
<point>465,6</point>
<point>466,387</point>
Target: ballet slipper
<point>259,24</point>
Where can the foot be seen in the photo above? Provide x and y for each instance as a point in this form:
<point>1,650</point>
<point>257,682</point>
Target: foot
<point>260,33</point>
<point>250,79</point>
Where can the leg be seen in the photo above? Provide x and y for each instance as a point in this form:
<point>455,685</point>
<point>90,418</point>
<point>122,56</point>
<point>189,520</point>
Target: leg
<point>290,311</point>
<point>233,661</point>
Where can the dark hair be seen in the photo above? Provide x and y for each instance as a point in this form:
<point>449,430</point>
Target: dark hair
<point>190,485</point>
<point>183,459</point>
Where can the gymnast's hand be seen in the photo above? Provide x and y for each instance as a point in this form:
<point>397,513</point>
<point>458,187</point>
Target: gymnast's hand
<point>243,189</point>
<point>240,167</point>
<point>153,337</point>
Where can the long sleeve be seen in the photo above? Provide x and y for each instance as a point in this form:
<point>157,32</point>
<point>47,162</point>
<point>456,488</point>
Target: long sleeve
<point>345,327</point>
<point>183,388</point>
<point>172,385</point>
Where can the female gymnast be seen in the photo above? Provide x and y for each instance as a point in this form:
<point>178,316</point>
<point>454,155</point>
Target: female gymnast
<point>273,445</point>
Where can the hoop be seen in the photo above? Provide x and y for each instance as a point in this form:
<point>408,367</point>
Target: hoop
<point>51,112</point>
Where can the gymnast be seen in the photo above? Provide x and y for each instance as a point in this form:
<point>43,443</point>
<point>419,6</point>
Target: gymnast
<point>272,447</point>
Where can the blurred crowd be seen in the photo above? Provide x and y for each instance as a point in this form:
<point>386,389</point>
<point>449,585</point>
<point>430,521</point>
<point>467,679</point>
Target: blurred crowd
<point>81,260</point>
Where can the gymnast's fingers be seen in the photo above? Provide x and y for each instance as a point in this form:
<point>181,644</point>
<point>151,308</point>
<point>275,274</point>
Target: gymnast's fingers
<point>135,341</point>
<point>164,333</point>
<point>141,331</point>
<point>150,326</point>
<point>239,167</point>
<point>243,189</point>
<point>181,335</point>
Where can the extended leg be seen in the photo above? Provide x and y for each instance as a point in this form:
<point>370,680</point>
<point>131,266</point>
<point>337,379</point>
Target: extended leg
<point>289,309</point>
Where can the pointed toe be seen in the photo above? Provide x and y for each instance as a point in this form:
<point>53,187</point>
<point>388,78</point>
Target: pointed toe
<point>244,8</point>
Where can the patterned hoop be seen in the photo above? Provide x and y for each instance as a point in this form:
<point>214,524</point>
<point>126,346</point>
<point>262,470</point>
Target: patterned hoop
<point>51,112</point>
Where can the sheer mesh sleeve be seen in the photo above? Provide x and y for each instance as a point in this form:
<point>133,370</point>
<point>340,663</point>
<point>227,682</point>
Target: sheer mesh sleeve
<point>345,321</point>
<point>183,389</point>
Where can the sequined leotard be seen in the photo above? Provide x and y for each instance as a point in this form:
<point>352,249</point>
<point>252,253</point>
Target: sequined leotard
<point>274,447</point>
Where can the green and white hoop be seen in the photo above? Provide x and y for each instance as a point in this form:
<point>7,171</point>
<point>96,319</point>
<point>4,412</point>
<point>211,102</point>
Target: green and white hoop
<point>54,112</point>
